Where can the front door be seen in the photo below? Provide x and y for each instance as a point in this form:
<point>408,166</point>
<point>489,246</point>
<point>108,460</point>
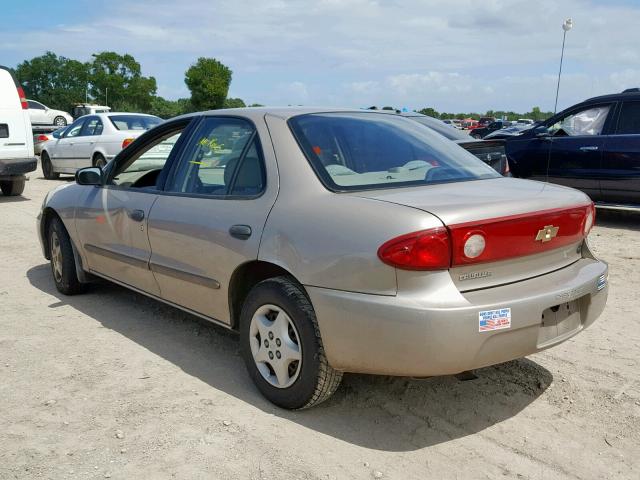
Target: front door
<point>112,222</point>
<point>62,155</point>
<point>620,177</point>
<point>576,147</point>
<point>210,217</point>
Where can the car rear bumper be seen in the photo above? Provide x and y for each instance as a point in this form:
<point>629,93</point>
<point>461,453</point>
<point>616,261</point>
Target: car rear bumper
<point>17,166</point>
<point>408,335</point>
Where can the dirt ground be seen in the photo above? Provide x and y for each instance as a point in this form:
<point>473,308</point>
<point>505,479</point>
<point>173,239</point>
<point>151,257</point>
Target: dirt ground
<point>111,384</point>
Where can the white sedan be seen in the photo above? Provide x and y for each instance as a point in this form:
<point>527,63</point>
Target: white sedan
<point>93,140</point>
<point>40,114</point>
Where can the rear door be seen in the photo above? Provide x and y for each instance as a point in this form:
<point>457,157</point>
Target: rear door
<point>112,221</point>
<point>210,217</point>
<point>576,148</point>
<point>620,175</point>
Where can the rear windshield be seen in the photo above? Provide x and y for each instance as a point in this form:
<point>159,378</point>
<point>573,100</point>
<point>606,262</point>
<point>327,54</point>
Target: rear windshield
<point>134,122</point>
<point>360,151</point>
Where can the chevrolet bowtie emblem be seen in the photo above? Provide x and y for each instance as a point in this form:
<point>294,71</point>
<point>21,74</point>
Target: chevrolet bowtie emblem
<point>547,233</point>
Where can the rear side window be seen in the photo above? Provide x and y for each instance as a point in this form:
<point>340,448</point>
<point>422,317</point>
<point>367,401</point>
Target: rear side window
<point>134,122</point>
<point>4,130</point>
<point>357,151</point>
<point>629,121</point>
<point>92,126</point>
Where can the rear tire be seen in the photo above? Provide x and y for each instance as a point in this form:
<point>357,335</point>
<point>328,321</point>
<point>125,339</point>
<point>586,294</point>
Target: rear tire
<point>47,167</point>
<point>12,188</point>
<point>99,161</point>
<point>63,266</point>
<point>60,121</point>
<point>277,323</point>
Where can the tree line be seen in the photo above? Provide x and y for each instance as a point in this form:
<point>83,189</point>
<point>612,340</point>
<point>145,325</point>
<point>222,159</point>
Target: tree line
<point>535,114</point>
<point>117,81</point>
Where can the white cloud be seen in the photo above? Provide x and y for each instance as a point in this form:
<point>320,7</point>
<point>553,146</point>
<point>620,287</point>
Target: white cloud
<point>451,55</point>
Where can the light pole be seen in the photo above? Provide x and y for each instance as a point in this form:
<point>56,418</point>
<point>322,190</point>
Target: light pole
<point>566,26</point>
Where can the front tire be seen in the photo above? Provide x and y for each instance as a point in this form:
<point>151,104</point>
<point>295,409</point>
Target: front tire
<point>60,121</point>
<point>47,167</point>
<point>282,347</point>
<point>63,267</point>
<point>12,188</point>
<point>99,161</point>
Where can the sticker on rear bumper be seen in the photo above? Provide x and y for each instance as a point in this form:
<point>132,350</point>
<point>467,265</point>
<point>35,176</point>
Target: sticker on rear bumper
<point>490,320</point>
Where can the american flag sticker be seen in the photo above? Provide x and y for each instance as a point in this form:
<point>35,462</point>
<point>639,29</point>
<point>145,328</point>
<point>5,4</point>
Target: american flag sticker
<point>494,319</point>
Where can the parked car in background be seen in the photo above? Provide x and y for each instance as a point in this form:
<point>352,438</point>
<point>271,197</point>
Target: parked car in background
<point>92,140</point>
<point>39,139</point>
<point>469,123</point>
<point>525,121</point>
<point>481,132</point>
<point>333,241</point>
<point>484,121</point>
<point>40,114</point>
<point>453,123</point>
<point>16,140</point>
<point>492,153</point>
<point>82,109</point>
<point>593,146</point>
<point>512,130</point>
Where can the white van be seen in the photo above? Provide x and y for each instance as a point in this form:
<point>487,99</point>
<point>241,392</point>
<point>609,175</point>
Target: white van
<point>16,138</point>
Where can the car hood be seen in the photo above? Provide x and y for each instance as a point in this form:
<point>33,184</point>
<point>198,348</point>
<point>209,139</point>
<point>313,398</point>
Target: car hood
<point>468,201</point>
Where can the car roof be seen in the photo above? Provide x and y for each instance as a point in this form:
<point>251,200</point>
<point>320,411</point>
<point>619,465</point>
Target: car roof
<point>626,95</point>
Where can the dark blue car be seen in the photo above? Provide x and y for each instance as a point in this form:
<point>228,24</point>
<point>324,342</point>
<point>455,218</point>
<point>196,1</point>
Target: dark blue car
<point>593,146</point>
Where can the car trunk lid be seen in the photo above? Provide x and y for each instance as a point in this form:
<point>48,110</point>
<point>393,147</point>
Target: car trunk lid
<point>530,228</point>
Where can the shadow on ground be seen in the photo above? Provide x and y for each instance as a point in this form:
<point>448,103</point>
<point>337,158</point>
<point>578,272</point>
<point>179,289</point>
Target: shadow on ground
<point>618,219</point>
<point>383,413</point>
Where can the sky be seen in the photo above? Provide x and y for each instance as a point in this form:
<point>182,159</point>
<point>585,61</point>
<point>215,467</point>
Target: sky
<point>454,56</point>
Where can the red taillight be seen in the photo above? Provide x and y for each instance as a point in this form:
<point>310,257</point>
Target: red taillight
<point>126,142</point>
<point>42,138</point>
<point>23,99</point>
<point>520,235</point>
<point>423,250</point>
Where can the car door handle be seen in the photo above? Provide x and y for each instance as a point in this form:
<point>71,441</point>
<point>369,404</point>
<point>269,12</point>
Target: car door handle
<point>136,215</point>
<point>240,231</point>
<point>592,148</point>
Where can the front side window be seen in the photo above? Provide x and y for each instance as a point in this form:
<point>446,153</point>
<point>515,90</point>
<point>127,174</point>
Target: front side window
<point>629,121</point>
<point>92,126</point>
<point>356,151</point>
<point>584,122</point>
<point>74,129</point>
<point>143,168</point>
<point>223,158</point>
<point>134,122</point>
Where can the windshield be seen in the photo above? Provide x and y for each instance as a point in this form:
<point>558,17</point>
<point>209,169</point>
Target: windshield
<point>359,151</point>
<point>134,122</point>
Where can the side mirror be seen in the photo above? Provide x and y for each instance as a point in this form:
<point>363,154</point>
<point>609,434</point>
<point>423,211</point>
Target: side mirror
<point>89,176</point>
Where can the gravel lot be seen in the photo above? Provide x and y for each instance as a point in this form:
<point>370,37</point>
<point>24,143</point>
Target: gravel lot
<point>111,384</point>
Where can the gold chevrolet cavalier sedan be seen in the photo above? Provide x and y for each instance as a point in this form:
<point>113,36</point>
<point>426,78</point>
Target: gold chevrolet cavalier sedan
<point>333,241</point>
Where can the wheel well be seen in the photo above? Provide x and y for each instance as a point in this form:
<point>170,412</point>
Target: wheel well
<point>48,215</point>
<point>95,154</point>
<point>244,279</point>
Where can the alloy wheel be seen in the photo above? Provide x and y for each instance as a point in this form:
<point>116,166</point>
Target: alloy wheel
<point>275,346</point>
<point>56,257</point>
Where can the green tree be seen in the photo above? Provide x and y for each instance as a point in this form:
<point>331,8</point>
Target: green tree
<point>58,82</point>
<point>430,112</point>
<point>256,105</point>
<point>164,108</point>
<point>208,80</point>
<point>234,103</point>
<point>117,80</point>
